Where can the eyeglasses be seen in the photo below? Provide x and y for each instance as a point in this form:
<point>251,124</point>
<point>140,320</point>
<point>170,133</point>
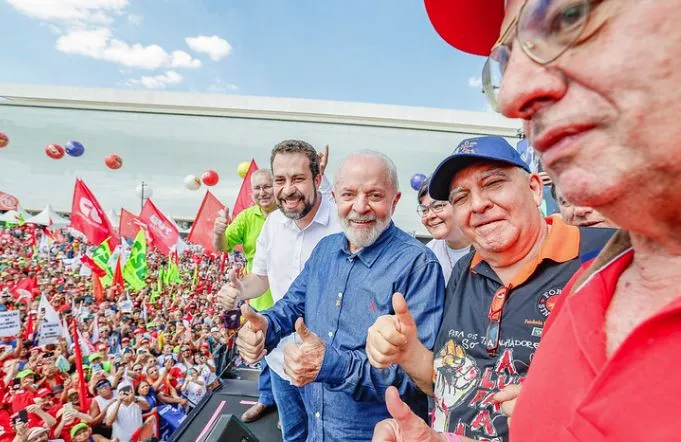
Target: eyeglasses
<point>545,30</point>
<point>436,207</point>
<point>262,188</point>
<point>496,309</point>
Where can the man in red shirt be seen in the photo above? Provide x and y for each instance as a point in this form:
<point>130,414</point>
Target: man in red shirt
<point>607,134</point>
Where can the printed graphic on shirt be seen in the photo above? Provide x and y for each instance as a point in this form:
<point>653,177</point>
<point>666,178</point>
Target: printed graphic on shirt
<point>464,391</point>
<point>547,301</point>
<point>455,377</point>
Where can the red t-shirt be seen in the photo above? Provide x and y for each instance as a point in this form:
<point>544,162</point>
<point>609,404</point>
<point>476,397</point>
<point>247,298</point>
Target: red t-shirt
<point>6,433</point>
<point>573,392</point>
<point>22,400</point>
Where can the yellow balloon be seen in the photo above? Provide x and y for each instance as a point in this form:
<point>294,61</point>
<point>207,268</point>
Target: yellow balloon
<point>242,170</point>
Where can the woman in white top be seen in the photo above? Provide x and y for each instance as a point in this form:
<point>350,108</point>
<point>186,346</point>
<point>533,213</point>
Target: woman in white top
<point>448,244</point>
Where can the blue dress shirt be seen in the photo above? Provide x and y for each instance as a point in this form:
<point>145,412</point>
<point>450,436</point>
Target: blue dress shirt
<point>340,295</point>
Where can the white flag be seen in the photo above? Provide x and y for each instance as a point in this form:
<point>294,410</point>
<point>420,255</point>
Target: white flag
<point>50,327</point>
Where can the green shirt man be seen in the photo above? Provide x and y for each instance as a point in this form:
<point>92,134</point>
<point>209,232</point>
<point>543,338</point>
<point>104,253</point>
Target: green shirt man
<point>246,226</point>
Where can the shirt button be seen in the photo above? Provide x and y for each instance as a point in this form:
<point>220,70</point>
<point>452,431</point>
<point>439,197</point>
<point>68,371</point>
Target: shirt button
<point>317,415</point>
<point>340,294</point>
<point>330,334</point>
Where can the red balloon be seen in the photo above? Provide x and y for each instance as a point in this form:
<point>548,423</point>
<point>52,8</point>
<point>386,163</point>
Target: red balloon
<point>54,151</point>
<point>210,178</point>
<point>4,139</point>
<point>113,161</point>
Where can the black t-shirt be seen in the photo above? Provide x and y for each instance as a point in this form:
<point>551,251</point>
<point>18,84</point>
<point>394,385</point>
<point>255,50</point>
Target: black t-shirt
<point>466,376</point>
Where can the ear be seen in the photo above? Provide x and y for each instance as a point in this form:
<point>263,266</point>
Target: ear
<point>318,180</point>
<point>537,188</point>
<point>396,199</point>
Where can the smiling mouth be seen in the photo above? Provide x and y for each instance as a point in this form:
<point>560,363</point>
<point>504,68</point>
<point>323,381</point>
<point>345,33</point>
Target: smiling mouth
<point>441,223</point>
<point>486,223</point>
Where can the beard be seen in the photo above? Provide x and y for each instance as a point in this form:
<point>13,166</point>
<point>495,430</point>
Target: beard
<point>363,237</point>
<point>297,214</point>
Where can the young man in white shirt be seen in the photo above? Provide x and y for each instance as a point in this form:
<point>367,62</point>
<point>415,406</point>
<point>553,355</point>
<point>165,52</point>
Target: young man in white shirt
<point>306,214</point>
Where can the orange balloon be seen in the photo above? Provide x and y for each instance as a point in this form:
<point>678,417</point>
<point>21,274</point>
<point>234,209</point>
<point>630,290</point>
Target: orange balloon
<point>113,161</point>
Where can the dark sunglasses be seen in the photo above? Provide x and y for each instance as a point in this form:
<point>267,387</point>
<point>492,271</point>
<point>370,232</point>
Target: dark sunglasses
<point>496,309</point>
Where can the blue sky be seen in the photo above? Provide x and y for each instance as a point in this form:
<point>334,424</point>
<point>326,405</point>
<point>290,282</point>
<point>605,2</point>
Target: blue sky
<point>381,51</point>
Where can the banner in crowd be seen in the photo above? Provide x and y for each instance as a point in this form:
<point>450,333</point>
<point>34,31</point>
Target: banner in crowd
<point>88,217</point>
<point>130,224</point>
<point>10,323</point>
<point>202,229</point>
<point>163,232</point>
<point>50,328</point>
<point>101,257</point>
<point>135,270</point>
<point>244,199</point>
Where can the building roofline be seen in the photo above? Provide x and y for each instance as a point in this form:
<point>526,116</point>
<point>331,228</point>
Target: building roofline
<point>268,108</point>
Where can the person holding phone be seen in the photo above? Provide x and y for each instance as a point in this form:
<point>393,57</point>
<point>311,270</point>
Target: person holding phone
<point>125,415</point>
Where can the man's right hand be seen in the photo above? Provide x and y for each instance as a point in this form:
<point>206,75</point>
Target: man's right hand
<point>392,338</point>
<point>405,426</point>
<point>221,223</point>
<point>251,337</point>
<point>230,293</point>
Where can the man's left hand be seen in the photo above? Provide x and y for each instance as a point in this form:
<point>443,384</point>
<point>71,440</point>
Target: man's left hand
<point>303,362</point>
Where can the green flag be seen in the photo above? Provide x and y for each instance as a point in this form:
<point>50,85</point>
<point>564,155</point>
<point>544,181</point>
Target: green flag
<point>101,257</point>
<point>135,270</point>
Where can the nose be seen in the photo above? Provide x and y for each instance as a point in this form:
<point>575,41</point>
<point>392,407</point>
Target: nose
<point>583,212</point>
<point>361,204</point>
<point>479,202</point>
<point>528,86</point>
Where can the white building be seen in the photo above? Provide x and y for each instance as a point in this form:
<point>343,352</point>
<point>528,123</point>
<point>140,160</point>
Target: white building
<point>164,136</point>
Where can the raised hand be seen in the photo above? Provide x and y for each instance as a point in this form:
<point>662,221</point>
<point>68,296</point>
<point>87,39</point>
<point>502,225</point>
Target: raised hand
<point>251,337</point>
<point>303,362</point>
<point>230,293</point>
<point>323,160</point>
<point>405,426</point>
<point>391,339</point>
<point>221,223</point>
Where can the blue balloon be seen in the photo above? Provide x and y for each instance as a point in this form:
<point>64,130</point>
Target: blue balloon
<point>74,148</point>
<point>417,181</point>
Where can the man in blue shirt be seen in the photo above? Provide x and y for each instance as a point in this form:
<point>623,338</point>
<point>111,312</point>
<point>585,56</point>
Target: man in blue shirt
<point>346,284</point>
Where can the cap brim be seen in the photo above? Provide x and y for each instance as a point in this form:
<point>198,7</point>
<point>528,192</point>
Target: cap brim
<point>469,25</point>
<point>445,171</point>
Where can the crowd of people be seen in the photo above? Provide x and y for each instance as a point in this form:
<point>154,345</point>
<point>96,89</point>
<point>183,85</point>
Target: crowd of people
<point>509,325</point>
<point>148,356</point>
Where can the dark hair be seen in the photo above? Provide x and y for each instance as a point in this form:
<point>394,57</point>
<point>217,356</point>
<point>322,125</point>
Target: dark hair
<point>423,190</point>
<point>553,192</point>
<point>297,146</point>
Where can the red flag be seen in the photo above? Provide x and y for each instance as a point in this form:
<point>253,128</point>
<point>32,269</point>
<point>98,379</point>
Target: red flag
<point>28,332</point>
<point>88,217</point>
<point>118,275</point>
<point>202,229</point>
<point>97,288</point>
<point>24,288</point>
<point>8,202</point>
<point>162,231</point>
<point>244,199</point>
<point>129,225</point>
<point>90,264</point>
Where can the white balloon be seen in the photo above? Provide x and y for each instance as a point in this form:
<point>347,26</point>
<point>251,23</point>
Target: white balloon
<point>191,182</point>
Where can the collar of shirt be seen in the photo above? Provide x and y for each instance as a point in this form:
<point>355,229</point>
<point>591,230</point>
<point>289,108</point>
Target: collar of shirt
<point>368,255</point>
<point>560,245</point>
<point>322,216</point>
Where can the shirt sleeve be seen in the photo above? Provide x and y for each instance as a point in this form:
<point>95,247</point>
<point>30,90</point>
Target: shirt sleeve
<point>283,314</point>
<point>236,231</point>
<point>350,370</point>
<point>261,248</point>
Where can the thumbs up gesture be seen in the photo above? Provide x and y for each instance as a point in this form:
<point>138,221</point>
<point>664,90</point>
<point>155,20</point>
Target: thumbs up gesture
<point>230,293</point>
<point>303,362</point>
<point>220,226</point>
<point>405,425</point>
<point>392,338</point>
<point>250,340</point>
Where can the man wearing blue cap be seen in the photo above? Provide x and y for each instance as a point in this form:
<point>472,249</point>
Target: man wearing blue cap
<point>498,297</point>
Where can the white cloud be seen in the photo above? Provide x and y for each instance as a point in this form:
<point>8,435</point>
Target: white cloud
<point>170,78</point>
<point>99,44</point>
<point>92,11</point>
<point>475,82</point>
<point>135,19</point>
<point>214,46</point>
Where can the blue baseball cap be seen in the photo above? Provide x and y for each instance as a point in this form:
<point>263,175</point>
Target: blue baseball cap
<point>470,151</point>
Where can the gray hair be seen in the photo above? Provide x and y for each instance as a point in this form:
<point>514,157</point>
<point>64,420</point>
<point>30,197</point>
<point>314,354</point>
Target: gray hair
<point>259,172</point>
<point>390,167</point>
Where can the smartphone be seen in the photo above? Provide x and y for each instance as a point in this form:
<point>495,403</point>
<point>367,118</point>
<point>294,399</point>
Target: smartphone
<point>23,416</point>
<point>232,319</point>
